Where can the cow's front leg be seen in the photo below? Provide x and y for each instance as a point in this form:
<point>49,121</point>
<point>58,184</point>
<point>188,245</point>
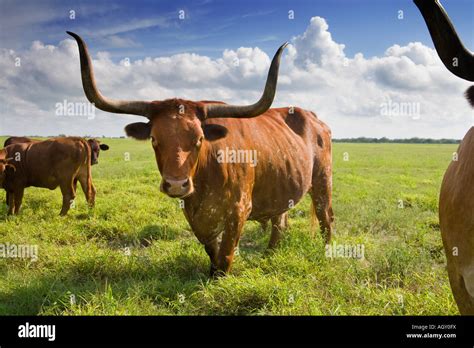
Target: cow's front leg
<point>230,239</point>
<point>18,199</point>
<point>11,203</point>
<point>212,249</point>
<point>67,189</point>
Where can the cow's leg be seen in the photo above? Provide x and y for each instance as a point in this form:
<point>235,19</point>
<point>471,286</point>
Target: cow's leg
<point>18,199</point>
<point>67,189</point>
<point>93,193</point>
<point>85,179</point>
<point>321,195</point>
<point>279,224</point>
<point>212,248</point>
<point>7,198</point>
<point>11,203</point>
<point>230,240</point>
<point>88,188</point>
<point>463,299</point>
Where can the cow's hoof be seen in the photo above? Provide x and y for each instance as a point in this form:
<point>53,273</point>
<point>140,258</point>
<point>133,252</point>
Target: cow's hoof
<point>217,273</point>
<point>212,272</point>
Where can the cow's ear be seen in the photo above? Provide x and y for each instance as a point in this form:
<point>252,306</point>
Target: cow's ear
<point>214,131</point>
<point>104,147</point>
<point>138,130</point>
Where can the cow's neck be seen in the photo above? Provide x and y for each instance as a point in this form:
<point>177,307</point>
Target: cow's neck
<point>203,178</point>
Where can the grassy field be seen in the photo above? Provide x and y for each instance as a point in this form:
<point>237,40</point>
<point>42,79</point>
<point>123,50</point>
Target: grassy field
<point>134,252</point>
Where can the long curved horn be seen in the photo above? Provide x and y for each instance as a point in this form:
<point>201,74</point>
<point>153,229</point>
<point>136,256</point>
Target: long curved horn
<point>140,108</point>
<point>247,111</point>
<point>446,40</point>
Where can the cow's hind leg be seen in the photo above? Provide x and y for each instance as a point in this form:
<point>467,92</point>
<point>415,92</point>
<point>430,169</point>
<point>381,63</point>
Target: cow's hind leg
<point>87,187</point>
<point>85,179</point>
<point>321,196</point>
<point>279,224</point>
<point>67,189</point>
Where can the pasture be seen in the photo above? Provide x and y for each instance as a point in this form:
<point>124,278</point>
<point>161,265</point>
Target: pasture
<point>134,252</point>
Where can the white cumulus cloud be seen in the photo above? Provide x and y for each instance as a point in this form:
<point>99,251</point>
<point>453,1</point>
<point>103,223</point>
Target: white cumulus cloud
<point>351,94</point>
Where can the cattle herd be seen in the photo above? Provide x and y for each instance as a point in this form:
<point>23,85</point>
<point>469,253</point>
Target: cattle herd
<point>294,158</point>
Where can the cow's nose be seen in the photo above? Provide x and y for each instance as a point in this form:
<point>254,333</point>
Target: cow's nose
<point>176,188</point>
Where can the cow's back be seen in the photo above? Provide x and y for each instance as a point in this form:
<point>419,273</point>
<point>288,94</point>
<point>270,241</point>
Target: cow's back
<point>18,140</point>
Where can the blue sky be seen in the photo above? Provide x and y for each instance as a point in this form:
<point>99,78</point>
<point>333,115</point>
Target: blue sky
<point>347,60</point>
<point>367,26</point>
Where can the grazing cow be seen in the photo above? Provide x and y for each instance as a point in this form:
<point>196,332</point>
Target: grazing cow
<point>198,148</point>
<point>456,201</point>
<point>49,164</point>
<point>94,144</point>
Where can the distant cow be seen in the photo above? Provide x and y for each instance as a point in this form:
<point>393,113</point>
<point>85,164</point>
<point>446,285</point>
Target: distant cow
<point>94,144</point>
<point>286,153</point>
<point>456,200</point>
<point>49,164</point>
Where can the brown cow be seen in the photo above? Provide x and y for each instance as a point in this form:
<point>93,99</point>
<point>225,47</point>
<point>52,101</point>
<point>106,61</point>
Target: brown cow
<point>456,202</point>
<point>94,144</point>
<point>49,164</point>
<point>288,154</point>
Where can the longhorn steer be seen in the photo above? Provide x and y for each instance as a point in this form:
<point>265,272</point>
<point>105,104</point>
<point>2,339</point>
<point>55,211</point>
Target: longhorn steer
<point>191,140</point>
<point>49,164</point>
<point>456,200</point>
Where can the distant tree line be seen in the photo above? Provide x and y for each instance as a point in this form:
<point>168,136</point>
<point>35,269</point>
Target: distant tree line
<point>341,140</point>
<point>398,141</point>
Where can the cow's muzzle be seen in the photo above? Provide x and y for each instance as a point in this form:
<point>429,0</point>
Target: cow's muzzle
<point>177,188</point>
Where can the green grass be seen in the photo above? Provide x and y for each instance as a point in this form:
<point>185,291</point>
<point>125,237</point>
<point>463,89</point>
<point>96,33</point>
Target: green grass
<point>166,273</point>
